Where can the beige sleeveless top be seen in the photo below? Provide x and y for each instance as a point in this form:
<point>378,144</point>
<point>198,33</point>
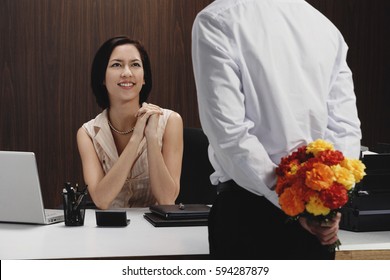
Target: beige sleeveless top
<point>136,190</point>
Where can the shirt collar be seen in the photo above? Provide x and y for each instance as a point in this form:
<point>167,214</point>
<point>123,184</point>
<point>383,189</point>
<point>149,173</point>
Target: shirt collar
<point>103,135</point>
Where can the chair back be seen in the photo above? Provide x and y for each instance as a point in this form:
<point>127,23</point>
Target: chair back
<point>195,185</point>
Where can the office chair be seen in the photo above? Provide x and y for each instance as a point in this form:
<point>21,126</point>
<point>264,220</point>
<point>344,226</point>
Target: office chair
<point>195,185</point>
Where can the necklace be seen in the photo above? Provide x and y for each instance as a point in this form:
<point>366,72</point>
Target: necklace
<point>118,131</point>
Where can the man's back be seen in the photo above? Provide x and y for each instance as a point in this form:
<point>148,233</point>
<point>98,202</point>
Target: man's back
<point>288,56</point>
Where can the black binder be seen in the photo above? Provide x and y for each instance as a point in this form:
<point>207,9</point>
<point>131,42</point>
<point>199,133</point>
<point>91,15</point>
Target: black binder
<point>369,206</point>
<point>181,211</point>
<point>178,215</point>
<point>158,221</point>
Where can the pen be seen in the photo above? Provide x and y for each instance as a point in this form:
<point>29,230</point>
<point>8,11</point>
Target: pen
<point>80,198</point>
<point>70,192</point>
<point>68,187</point>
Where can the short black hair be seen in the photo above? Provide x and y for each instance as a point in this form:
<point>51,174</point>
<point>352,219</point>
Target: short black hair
<point>99,66</point>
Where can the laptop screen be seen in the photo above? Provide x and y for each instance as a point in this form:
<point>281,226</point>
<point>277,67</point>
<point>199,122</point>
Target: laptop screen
<point>20,192</point>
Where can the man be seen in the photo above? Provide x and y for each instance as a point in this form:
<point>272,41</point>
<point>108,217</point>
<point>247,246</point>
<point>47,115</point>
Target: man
<point>271,76</point>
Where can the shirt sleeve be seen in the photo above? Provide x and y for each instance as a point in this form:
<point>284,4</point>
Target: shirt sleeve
<point>343,123</point>
<point>221,101</point>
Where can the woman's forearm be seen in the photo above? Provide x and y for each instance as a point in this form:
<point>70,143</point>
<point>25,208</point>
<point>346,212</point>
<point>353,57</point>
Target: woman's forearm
<point>163,186</point>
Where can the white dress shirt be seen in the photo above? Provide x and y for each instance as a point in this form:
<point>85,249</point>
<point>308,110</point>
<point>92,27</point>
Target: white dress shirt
<point>271,76</point>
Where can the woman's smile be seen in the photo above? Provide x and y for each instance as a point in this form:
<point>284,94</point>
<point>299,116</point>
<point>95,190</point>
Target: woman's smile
<point>126,85</point>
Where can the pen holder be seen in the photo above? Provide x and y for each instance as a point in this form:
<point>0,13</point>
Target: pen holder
<point>74,208</point>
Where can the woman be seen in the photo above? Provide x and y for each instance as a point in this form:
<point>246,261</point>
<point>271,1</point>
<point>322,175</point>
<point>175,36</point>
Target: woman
<point>131,153</point>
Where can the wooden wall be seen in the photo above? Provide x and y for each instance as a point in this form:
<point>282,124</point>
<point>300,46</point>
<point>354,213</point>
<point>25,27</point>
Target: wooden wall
<point>46,48</point>
<point>365,25</point>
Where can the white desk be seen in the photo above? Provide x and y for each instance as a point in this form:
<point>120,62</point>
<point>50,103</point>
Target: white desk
<point>138,240</point>
<point>141,240</point>
<point>364,245</point>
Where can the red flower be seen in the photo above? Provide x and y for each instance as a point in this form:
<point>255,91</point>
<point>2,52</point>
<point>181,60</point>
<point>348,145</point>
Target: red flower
<point>281,184</point>
<point>302,155</point>
<point>330,157</point>
<point>296,158</point>
<point>335,196</point>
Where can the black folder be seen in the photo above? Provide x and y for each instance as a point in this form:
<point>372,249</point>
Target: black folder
<point>181,211</point>
<point>159,221</point>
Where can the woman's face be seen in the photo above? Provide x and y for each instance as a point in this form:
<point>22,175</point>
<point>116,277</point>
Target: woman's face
<point>124,74</point>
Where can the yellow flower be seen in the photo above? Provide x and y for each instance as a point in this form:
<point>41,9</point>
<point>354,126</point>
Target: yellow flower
<point>318,146</point>
<point>356,167</point>
<point>316,207</point>
<point>343,176</point>
<point>293,169</point>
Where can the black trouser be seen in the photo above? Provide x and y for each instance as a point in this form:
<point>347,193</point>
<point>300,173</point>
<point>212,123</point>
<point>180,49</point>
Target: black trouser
<point>243,225</point>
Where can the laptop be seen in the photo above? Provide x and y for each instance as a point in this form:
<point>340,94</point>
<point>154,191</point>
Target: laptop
<point>20,191</point>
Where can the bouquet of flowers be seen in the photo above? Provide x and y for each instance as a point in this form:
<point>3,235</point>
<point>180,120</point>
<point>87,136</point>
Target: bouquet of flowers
<point>315,181</point>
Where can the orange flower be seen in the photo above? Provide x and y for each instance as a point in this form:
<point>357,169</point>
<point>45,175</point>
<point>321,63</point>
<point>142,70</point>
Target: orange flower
<point>319,177</point>
<point>291,201</point>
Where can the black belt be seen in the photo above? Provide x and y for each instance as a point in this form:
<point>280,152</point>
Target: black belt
<point>229,186</point>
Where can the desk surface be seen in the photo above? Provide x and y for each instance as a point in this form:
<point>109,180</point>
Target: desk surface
<point>373,240</point>
<point>138,240</point>
<point>374,245</point>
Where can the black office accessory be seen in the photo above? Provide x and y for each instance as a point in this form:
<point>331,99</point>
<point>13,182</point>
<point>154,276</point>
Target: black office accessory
<point>111,218</point>
<point>73,204</point>
<point>369,206</point>
<point>181,211</point>
<point>159,221</point>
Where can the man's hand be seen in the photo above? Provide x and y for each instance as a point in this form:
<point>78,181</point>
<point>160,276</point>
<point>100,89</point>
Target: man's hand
<point>326,232</point>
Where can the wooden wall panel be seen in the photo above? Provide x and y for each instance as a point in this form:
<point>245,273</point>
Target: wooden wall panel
<point>365,26</point>
<point>46,49</point>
